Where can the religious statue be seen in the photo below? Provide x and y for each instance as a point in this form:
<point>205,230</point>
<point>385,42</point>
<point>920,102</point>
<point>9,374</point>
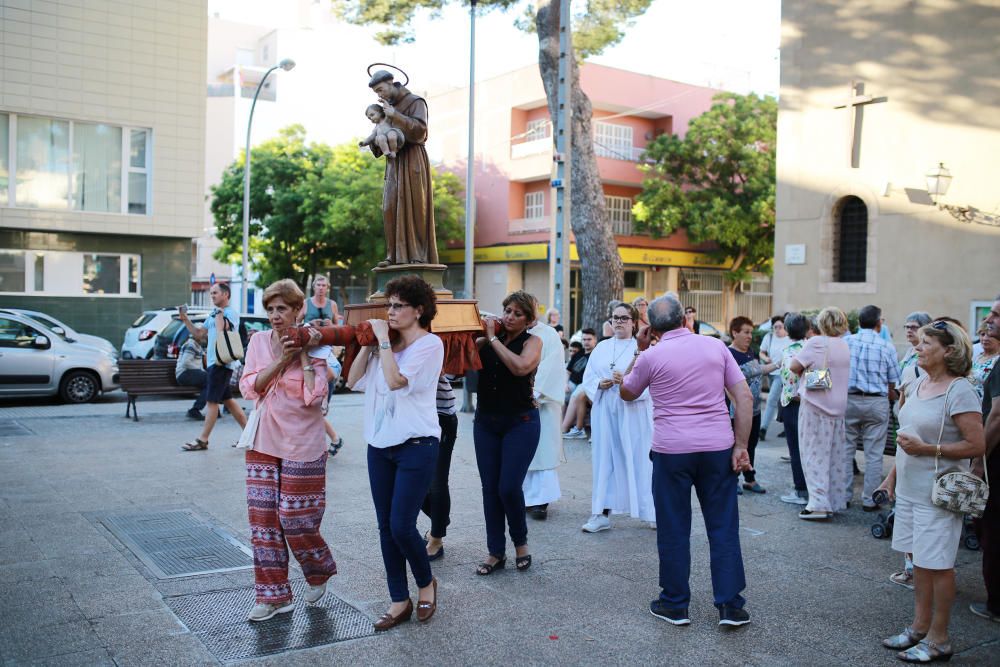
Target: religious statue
<point>407,205</point>
<point>388,139</point>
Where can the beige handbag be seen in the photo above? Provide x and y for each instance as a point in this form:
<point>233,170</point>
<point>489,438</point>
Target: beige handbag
<point>959,491</point>
<point>228,346</point>
<point>819,378</point>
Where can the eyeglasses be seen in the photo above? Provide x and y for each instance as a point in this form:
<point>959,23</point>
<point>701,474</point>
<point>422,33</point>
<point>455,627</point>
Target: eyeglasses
<point>620,318</point>
<point>690,311</point>
<point>397,305</point>
<point>911,327</point>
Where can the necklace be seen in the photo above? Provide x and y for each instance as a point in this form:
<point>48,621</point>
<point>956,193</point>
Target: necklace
<point>616,355</point>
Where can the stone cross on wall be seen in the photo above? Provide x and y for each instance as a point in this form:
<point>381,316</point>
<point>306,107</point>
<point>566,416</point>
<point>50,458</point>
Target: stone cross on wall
<point>855,104</point>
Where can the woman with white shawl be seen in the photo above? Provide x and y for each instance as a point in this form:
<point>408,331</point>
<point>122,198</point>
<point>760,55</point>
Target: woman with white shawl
<point>541,484</point>
<point>622,431</point>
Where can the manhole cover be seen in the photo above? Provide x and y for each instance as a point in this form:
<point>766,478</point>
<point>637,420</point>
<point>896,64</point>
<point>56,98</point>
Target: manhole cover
<point>219,620</point>
<point>178,544</point>
<point>11,428</point>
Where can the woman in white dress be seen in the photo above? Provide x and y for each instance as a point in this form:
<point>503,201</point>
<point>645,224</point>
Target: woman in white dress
<point>541,484</point>
<point>621,431</point>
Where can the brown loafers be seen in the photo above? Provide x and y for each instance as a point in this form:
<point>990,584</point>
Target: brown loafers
<point>388,621</point>
<point>426,609</point>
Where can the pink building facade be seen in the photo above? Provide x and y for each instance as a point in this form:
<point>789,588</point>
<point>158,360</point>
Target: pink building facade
<point>514,200</point>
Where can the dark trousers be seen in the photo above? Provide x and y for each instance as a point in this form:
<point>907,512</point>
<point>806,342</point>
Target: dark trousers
<point>988,530</point>
<point>749,477</point>
<point>711,474</point>
<point>505,445</point>
<point>437,504</point>
<point>399,478</point>
<point>194,377</point>
<point>790,420</point>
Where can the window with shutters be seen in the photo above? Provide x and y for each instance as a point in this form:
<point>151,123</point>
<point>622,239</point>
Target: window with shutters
<point>613,141</point>
<point>534,205</point>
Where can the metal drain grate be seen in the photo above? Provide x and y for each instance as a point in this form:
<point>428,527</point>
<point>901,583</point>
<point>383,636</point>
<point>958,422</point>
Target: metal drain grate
<point>178,544</point>
<point>219,620</point>
<point>11,428</point>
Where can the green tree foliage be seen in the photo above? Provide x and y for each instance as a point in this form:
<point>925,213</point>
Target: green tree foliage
<point>717,182</point>
<point>597,24</point>
<point>315,208</point>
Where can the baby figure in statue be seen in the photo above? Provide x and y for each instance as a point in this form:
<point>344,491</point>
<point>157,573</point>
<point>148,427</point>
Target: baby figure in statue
<point>387,138</point>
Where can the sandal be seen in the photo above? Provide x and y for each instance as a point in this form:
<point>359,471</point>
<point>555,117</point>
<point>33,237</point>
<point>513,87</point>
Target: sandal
<point>904,640</point>
<point>522,563</point>
<point>926,651</point>
<point>485,568</point>
<point>195,445</point>
<point>334,447</point>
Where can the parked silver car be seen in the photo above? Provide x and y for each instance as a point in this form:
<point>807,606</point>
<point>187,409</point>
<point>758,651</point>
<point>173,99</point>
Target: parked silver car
<point>65,330</point>
<point>36,361</point>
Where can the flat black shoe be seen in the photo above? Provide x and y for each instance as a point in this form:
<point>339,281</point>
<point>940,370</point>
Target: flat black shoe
<point>522,563</point>
<point>539,512</point>
<point>733,616</point>
<point>659,609</point>
<point>484,568</point>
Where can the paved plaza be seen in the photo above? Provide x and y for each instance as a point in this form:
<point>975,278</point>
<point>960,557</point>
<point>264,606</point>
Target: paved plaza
<point>72,593</point>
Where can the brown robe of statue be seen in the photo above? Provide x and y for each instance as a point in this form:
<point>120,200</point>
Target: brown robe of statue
<point>407,203</point>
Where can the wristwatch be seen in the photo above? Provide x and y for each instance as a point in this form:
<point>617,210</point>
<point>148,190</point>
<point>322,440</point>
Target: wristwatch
<point>491,339</point>
<point>308,368</point>
<point>384,345</point>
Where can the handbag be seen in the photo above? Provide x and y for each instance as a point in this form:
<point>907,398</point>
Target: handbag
<point>229,346</point>
<point>819,378</point>
<point>959,491</point>
<point>249,434</point>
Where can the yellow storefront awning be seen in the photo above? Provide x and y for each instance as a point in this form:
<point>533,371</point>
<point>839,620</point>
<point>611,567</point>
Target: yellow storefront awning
<point>526,252</point>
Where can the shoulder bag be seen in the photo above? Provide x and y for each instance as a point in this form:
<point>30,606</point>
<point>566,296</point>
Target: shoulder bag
<point>959,491</point>
<point>819,378</point>
<point>229,345</point>
<point>249,434</point>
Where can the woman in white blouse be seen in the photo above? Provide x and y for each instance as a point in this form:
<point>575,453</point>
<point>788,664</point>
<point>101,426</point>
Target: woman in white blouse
<point>399,376</point>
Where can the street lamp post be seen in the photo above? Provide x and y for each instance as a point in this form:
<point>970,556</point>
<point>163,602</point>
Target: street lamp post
<point>286,64</point>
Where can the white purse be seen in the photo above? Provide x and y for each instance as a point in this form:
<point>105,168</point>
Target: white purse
<point>249,434</point>
<point>959,491</point>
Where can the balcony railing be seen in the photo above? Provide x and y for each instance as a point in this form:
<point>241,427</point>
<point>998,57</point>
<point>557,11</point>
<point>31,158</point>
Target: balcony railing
<point>527,148</point>
<point>530,225</point>
<point>627,153</point>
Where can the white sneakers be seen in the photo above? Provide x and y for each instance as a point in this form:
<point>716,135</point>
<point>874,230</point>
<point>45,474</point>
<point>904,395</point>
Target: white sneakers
<point>315,593</point>
<point>794,498</point>
<point>596,524</point>
<point>575,434</point>
<point>264,611</point>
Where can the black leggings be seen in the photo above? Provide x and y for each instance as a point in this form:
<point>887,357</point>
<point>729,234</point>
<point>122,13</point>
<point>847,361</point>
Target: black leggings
<point>437,504</point>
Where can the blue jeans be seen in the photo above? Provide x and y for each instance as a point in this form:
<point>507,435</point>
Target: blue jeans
<point>711,474</point>
<point>194,377</point>
<point>399,478</point>
<point>505,445</point>
<point>790,417</point>
<point>773,405</point>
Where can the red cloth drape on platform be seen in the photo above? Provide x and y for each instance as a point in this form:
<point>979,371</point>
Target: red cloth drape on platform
<point>460,353</point>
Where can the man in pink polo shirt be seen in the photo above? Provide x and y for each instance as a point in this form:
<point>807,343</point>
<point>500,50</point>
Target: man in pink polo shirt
<point>688,377</point>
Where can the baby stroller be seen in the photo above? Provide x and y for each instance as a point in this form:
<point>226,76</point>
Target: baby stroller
<point>882,528</point>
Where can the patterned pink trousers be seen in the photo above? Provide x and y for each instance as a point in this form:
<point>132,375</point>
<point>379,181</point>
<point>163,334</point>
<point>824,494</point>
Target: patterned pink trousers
<point>285,502</point>
<point>826,460</point>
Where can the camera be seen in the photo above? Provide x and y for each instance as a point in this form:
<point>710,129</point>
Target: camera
<point>880,497</point>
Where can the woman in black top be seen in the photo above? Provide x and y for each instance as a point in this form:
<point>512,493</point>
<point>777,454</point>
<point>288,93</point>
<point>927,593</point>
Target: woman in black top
<point>506,427</point>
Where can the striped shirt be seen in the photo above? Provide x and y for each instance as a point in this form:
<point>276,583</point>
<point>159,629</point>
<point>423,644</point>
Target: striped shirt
<point>445,397</point>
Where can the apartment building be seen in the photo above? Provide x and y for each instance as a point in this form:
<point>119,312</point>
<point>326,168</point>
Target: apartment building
<point>102,121</point>
<point>514,199</point>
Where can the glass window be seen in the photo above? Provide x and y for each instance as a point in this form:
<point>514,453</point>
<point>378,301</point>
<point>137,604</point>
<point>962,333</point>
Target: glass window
<point>534,205</point>
<point>11,270</point>
<point>632,279</point>
<point>536,129</point>
<point>851,241</point>
<point>137,152</point>
<point>97,167</point>
<point>15,334</point>
<point>133,274</point>
<point>137,193</point>
<point>42,163</point>
<point>40,271</point>
<point>102,274</point>
<point>4,155</point>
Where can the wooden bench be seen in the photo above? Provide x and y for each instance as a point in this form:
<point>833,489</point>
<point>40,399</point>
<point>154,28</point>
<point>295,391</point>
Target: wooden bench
<point>146,377</point>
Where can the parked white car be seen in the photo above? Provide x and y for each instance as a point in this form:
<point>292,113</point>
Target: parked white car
<point>65,330</point>
<point>140,338</point>
<point>36,361</point>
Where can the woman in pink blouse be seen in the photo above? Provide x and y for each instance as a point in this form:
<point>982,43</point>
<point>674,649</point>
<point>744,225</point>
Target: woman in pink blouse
<point>286,466</point>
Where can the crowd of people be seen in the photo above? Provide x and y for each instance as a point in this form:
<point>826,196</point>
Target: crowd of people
<point>667,410</point>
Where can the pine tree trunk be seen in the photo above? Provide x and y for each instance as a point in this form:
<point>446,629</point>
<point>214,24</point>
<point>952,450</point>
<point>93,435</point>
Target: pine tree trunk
<point>601,271</point>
